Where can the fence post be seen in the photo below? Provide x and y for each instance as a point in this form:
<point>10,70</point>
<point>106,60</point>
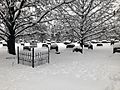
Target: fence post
<point>48,55</point>
<point>18,54</point>
<point>33,57</point>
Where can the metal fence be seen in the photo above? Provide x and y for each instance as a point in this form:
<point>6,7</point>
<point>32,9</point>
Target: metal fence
<point>33,58</point>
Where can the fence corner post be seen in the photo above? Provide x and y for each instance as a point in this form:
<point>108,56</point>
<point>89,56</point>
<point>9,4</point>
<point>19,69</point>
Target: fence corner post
<point>33,57</point>
<point>18,54</point>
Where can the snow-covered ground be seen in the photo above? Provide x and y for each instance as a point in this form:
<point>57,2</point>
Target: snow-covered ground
<point>96,69</point>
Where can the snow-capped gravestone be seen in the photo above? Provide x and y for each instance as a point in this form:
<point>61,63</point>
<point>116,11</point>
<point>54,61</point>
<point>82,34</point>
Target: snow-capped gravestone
<point>116,48</point>
<point>27,48</point>
<point>70,45</point>
<point>90,46</point>
<point>99,44</point>
<point>54,46</point>
<point>77,49</point>
<point>44,45</point>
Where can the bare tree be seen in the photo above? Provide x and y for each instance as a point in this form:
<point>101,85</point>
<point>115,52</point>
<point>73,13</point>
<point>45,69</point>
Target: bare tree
<point>114,32</point>
<point>88,19</point>
<point>19,15</point>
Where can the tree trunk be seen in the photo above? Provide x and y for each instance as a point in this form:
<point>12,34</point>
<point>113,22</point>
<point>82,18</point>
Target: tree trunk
<point>81,44</point>
<point>11,45</point>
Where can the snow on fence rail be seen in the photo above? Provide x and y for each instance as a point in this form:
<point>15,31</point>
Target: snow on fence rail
<point>33,58</point>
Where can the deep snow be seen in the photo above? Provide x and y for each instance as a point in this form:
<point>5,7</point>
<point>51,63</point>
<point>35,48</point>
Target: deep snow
<point>96,69</point>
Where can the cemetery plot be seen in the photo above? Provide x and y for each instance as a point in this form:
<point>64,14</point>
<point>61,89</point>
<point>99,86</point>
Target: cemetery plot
<point>32,58</point>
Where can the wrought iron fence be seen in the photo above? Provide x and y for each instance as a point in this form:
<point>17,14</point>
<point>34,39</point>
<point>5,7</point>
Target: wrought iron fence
<point>33,58</point>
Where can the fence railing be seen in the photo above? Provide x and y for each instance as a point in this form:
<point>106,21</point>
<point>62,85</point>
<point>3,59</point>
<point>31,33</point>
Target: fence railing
<point>33,58</point>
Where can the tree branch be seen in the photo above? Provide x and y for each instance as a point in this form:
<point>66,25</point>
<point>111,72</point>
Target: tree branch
<point>3,38</point>
<point>44,15</point>
<point>75,11</point>
<point>5,33</point>
<point>19,9</point>
<point>93,34</point>
<point>100,23</point>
